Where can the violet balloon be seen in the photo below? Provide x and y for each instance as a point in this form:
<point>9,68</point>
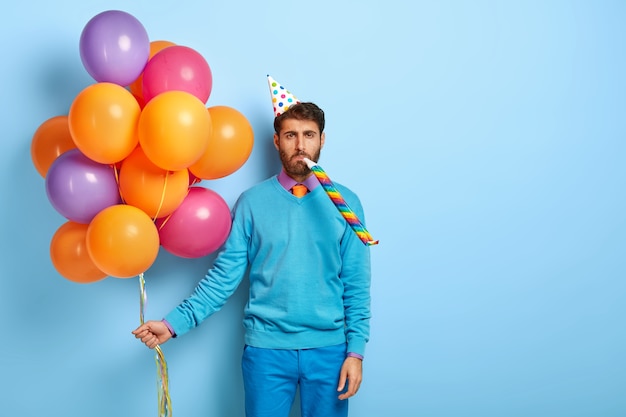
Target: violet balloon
<point>79,188</point>
<point>198,227</point>
<point>114,47</point>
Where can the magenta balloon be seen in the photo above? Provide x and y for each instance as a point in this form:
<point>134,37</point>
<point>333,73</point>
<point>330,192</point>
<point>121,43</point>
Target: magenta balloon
<point>177,68</point>
<point>79,188</point>
<point>198,227</point>
<point>114,47</point>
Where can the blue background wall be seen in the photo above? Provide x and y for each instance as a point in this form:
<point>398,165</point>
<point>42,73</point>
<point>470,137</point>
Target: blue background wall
<point>499,285</point>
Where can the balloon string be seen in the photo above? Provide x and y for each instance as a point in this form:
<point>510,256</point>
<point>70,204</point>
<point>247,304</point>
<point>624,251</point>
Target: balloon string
<point>143,297</point>
<point>165,220</point>
<point>156,215</point>
<point>164,400</point>
<point>163,394</point>
<point>117,181</point>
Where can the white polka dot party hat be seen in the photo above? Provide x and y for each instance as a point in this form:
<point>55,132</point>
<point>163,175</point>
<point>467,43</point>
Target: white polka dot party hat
<point>281,98</point>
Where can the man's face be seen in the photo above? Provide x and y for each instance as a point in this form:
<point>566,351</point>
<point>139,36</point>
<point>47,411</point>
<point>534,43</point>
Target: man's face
<point>296,140</point>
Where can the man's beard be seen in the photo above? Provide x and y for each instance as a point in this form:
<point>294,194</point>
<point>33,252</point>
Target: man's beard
<point>295,167</point>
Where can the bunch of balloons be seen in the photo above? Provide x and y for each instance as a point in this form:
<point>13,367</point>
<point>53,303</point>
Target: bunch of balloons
<point>123,165</point>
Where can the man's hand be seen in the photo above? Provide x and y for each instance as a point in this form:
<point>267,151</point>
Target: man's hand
<point>153,333</point>
<point>352,370</point>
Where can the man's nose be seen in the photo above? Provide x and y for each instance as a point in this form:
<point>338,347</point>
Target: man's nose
<point>300,143</point>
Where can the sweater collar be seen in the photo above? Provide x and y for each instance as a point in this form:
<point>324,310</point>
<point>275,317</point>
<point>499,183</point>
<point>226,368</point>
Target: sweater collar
<point>287,182</point>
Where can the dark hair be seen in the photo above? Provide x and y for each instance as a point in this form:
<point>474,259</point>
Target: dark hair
<point>301,111</point>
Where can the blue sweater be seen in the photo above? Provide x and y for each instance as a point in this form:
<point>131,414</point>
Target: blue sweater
<point>309,273</point>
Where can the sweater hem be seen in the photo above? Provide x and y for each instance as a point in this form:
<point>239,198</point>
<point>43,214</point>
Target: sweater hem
<point>299,340</point>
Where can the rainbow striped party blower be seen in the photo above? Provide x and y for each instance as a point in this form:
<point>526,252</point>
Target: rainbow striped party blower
<point>341,204</point>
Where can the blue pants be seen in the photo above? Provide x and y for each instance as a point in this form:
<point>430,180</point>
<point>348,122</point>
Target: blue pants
<point>271,377</point>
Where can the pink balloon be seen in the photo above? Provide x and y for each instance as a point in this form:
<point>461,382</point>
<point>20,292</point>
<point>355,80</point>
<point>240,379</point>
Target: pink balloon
<point>177,68</point>
<point>198,227</point>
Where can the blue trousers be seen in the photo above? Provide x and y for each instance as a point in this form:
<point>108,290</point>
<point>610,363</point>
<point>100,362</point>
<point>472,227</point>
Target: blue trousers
<point>271,377</point>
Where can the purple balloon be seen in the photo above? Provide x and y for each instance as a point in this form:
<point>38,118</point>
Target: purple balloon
<point>114,47</point>
<point>79,188</point>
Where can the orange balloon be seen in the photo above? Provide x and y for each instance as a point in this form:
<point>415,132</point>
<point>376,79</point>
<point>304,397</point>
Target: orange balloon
<point>174,129</point>
<point>229,146</point>
<point>136,86</point>
<point>122,241</point>
<point>50,140</point>
<point>68,252</point>
<point>152,189</point>
<point>103,122</point>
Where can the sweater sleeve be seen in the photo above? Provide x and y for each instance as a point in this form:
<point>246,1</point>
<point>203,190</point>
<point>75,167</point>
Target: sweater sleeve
<point>356,278</point>
<point>218,285</point>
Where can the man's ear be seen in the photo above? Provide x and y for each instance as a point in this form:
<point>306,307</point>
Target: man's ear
<point>276,141</point>
<point>322,139</point>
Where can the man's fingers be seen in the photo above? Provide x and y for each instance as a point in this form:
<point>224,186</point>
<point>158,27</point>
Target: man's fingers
<point>142,333</point>
<point>342,382</point>
<point>145,334</point>
<point>148,337</point>
<point>140,330</point>
<point>353,388</point>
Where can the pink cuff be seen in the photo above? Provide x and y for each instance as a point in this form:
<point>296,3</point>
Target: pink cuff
<point>169,327</point>
<point>354,355</point>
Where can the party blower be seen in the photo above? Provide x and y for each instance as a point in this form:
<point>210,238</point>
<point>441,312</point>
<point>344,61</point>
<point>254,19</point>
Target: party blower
<point>341,204</point>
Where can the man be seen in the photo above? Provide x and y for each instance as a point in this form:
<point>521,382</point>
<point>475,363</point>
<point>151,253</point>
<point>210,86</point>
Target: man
<point>307,319</point>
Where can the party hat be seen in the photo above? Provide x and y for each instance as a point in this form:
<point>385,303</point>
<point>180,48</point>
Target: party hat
<point>281,98</point>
